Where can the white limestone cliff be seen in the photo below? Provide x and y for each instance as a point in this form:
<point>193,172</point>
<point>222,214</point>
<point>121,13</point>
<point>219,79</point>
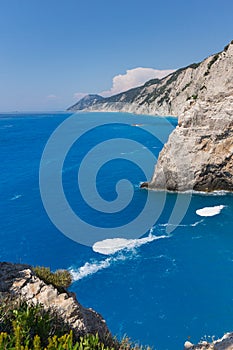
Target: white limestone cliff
<point>199,152</point>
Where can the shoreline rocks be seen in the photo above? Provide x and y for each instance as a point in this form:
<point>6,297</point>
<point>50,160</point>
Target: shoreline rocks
<point>224,343</point>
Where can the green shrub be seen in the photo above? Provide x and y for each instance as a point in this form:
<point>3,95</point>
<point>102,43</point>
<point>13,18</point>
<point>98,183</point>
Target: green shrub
<point>30,320</point>
<point>214,59</point>
<point>16,341</point>
<point>24,327</point>
<point>60,279</point>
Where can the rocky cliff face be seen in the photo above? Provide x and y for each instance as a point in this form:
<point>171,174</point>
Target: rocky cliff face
<point>21,282</point>
<point>199,152</point>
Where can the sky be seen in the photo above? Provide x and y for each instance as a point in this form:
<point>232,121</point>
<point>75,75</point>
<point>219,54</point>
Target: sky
<point>53,52</point>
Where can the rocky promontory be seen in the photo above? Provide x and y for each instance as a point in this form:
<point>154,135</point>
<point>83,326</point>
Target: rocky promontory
<point>199,153</point>
<point>20,281</point>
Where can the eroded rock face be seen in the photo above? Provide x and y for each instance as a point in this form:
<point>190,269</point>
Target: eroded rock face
<point>20,281</point>
<point>199,152</point>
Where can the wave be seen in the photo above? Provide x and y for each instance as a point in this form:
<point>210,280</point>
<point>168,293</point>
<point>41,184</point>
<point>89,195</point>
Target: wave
<point>182,225</point>
<point>6,126</point>
<point>111,246</point>
<point>89,269</point>
<point>213,193</point>
<point>16,197</point>
<point>210,211</point>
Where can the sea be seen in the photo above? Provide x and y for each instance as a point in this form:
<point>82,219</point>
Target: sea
<point>159,273</point>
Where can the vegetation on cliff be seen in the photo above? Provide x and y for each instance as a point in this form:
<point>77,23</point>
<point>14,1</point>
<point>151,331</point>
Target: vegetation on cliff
<point>24,327</point>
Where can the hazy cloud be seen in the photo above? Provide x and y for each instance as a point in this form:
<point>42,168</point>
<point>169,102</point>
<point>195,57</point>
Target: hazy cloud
<point>134,77</point>
<point>51,97</point>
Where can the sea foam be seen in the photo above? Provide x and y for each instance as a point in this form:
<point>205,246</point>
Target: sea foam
<point>210,211</point>
<point>111,246</point>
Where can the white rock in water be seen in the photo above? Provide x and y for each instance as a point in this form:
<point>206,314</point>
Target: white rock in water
<point>188,345</point>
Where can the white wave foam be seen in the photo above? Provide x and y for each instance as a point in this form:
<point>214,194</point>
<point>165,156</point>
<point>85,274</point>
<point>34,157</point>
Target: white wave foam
<point>111,246</point>
<point>210,211</point>
<point>16,197</point>
<point>108,247</point>
<point>89,269</point>
<point>196,223</point>
<point>182,225</point>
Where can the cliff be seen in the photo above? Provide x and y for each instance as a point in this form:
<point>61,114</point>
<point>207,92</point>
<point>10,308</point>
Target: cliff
<point>21,282</point>
<point>199,152</point>
<point>172,95</point>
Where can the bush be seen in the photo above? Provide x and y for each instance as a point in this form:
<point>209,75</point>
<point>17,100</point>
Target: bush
<point>16,341</point>
<point>60,279</point>
<point>30,321</point>
<point>25,327</point>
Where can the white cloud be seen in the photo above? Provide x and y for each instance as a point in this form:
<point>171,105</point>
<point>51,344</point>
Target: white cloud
<point>51,97</point>
<point>134,77</point>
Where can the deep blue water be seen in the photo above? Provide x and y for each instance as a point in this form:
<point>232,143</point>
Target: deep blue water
<point>159,293</point>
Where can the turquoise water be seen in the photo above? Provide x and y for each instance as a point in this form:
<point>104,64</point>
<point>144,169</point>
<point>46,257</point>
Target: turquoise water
<point>163,288</point>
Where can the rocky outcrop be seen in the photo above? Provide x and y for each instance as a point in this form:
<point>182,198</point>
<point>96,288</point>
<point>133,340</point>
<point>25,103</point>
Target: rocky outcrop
<point>225,343</point>
<point>199,152</point>
<point>20,281</point>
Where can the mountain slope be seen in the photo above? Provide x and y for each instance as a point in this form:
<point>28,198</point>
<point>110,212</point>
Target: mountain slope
<point>165,96</point>
<point>85,102</point>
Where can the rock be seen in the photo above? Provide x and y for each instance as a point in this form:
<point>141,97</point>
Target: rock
<point>225,343</point>
<point>188,345</point>
<point>20,281</point>
<point>144,185</point>
<point>199,153</point>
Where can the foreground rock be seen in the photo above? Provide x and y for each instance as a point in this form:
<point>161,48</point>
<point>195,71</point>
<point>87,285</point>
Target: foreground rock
<point>225,343</point>
<point>21,282</point>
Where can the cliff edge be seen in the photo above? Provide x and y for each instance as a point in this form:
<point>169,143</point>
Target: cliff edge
<point>199,153</point>
<point>20,281</point>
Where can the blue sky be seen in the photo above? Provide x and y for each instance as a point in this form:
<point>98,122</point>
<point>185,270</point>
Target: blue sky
<point>51,50</point>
